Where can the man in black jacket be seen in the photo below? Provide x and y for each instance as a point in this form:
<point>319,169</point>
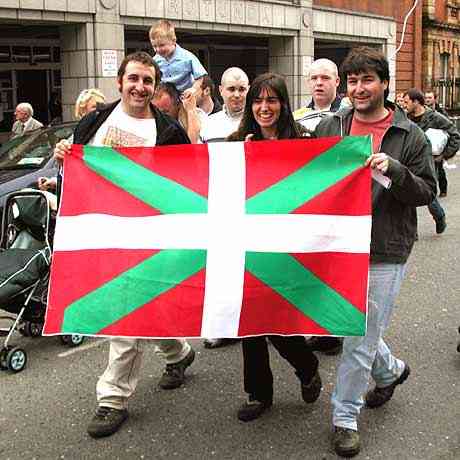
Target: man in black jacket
<point>428,119</point>
<point>402,163</point>
<point>131,121</point>
<point>431,100</point>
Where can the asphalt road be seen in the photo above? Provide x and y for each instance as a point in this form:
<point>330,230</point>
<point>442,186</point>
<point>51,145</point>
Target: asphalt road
<point>45,409</point>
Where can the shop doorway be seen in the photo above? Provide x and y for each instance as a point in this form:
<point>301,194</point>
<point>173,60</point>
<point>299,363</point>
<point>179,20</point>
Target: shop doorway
<point>32,87</point>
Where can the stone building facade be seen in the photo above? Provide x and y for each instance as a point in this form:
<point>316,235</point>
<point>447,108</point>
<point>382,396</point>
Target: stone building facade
<point>441,51</point>
<point>68,45</point>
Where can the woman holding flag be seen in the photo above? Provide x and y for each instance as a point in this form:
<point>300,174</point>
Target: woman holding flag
<point>268,116</point>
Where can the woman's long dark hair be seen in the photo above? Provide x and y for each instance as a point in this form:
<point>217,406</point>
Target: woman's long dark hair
<point>286,127</point>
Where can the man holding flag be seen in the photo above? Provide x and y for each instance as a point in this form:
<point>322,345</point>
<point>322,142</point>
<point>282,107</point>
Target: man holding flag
<point>402,164</point>
<point>132,121</point>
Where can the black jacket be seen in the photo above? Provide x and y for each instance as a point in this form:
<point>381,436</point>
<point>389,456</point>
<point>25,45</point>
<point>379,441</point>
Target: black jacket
<point>435,120</point>
<point>169,131</point>
<point>439,109</point>
<point>394,217</point>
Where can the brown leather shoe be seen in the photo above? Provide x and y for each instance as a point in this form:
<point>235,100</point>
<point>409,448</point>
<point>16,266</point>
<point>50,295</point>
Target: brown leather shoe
<point>379,396</point>
<point>346,442</point>
<point>174,374</point>
<point>106,421</point>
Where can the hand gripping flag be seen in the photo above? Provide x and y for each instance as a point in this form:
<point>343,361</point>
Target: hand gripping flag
<point>218,240</point>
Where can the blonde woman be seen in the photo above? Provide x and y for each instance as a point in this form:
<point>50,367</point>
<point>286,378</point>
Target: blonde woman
<point>86,102</point>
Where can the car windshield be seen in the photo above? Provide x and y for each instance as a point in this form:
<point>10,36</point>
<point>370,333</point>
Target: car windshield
<point>34,150</point>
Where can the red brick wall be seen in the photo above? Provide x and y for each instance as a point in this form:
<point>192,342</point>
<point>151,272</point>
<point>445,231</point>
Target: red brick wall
<point>383,8</point>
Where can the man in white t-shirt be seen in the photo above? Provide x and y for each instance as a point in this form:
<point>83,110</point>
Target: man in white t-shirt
<point>132,121</point>
<point>233,89</point>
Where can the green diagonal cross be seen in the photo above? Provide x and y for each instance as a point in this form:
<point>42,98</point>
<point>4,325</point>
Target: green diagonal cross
<point>307,292</point>
<point>167,196</point>
<point>153,276</point>
<point>319,174</point>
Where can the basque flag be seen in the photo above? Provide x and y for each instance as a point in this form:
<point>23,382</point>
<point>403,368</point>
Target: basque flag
<point>217,240</point>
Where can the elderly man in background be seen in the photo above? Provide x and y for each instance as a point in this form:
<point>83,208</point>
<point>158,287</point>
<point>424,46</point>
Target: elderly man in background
<point>24,120</point>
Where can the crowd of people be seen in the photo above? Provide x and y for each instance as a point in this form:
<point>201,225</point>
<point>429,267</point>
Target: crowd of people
<point>170,99</point>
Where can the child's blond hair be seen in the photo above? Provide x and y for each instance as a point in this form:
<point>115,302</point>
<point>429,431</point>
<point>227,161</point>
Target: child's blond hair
<point>163,29</point>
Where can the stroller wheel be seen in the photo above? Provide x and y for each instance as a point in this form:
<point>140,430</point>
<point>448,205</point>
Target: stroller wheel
<point>16,359</point>
<point>73,340</point>
<point>33,329</point>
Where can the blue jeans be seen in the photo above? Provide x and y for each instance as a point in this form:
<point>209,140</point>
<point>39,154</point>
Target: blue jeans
<point>436,210</point>
<point>368,356</point>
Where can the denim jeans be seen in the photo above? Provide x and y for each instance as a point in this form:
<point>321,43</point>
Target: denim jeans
<point>436,210</point>
<point>368,356</point>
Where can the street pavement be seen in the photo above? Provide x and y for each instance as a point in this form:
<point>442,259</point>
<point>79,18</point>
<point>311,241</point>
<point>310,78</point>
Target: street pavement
<point>45,409</point>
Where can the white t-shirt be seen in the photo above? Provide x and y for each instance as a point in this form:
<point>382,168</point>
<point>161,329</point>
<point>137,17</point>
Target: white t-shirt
<point>218,126</point>
<point>122,130</point>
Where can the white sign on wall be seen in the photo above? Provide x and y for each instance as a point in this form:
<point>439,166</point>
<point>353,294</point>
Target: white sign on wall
<point>109,63</point>
<point>306,64</point>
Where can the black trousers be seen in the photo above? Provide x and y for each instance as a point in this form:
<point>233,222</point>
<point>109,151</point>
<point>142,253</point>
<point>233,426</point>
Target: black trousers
<point>442,177</point>
<point>258,377</point>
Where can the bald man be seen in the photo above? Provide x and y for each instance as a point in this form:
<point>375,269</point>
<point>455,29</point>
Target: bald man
<point>233,89</point>
<point>323,80</point>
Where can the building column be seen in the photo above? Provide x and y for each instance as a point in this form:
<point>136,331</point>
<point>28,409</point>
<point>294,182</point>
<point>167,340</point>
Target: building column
<point>82,46</point>
<point>291,56</point>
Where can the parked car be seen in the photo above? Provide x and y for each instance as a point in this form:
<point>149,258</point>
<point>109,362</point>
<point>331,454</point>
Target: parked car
<point>24,159</point>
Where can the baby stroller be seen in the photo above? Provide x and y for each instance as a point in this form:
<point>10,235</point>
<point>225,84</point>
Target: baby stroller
<point>25,256</point>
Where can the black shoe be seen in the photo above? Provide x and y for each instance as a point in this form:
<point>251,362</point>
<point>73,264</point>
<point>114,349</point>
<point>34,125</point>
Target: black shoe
<point>106,421</point>
<point>346,442</point>
<point>328,345</point>
<point>217,343</point>
<point>174,374</point>
<point>253,409</point>
<point>379,396</point>
<point>442,194</point>
<point>312,389</point>
<point>441,225</point>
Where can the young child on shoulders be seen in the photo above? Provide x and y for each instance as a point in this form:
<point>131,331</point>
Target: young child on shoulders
<point>177,65</point>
